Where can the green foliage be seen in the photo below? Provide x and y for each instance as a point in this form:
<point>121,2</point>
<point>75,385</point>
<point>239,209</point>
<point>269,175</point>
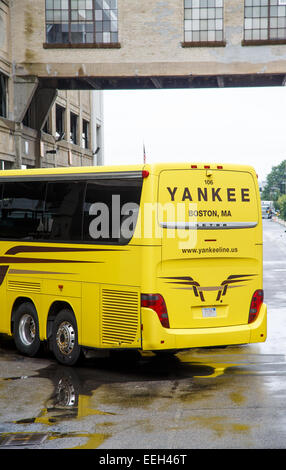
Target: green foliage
<point>275,183</point>
<point>281,202</point>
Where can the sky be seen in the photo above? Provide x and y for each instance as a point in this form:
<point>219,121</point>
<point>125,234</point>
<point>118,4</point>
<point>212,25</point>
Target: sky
<point>231,125</point>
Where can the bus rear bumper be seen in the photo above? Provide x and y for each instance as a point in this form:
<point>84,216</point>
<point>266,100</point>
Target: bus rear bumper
<point>155,337</point>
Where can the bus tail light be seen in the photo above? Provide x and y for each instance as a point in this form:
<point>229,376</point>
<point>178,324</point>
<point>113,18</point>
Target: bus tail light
<point>157,303</point>
<point>256,302</point>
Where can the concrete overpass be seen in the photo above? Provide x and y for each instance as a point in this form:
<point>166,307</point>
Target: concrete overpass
<point>150,51</point>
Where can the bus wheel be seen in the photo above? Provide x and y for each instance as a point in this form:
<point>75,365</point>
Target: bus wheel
<point>65,338</point>
<point>26,329</point>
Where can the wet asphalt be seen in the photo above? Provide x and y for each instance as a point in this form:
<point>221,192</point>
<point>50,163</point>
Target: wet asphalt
<point>217,398</point>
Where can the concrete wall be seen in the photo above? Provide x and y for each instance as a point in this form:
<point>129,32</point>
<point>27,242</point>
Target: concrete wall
<point>151,34</point>
<point>19,144</point>
<point>5,57</point>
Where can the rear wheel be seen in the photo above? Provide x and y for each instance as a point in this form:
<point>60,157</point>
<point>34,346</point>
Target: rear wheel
<point>65,338</point>
<point>26,329</point>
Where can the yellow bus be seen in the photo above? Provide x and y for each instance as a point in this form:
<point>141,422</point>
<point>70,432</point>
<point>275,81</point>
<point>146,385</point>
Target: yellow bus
<point>160,257</point>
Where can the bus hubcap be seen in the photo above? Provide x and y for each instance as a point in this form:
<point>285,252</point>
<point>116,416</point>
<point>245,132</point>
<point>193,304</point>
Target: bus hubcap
<point>65,338</point>
<point>27,329</point>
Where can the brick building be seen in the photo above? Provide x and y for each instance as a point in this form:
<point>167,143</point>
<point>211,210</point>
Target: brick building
<point>43,127</point>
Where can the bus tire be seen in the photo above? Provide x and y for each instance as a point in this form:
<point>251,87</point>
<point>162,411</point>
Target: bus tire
<point>64,339</point>
<point>26,330</point>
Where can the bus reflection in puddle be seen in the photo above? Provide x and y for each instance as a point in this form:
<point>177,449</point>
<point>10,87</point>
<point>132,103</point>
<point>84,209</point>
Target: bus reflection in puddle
<point>118,385</point>
<point>74,388</point>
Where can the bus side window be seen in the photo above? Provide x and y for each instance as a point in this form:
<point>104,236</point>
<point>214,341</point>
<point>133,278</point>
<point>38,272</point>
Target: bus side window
<point>111,210</point>
<point>22,210</point>
<point>63,211</point>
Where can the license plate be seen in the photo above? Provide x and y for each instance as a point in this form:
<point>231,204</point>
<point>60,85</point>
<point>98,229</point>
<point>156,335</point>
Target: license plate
<point>209,312</point>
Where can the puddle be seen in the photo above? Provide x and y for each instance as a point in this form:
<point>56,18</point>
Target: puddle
<point>108,397</point>
<point>127,384</point>
<point>219,425</point>
<point>68,400</point>
<point>97,389</point>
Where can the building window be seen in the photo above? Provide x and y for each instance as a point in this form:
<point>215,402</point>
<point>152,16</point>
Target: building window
<point>81,22</point>
<point>3,95</point>
<point>85,134</point>
<point>47,126</point>
<point>264,21</point>
<point>203,22</point>
<point>60,122</point>
<point>5,165</point>
<point>73,128</point>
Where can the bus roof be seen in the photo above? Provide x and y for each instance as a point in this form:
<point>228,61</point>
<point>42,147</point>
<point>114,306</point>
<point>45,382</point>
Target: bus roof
<point>155,168</point>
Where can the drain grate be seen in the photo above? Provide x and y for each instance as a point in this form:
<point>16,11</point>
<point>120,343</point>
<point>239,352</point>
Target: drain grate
<point>22,439</point>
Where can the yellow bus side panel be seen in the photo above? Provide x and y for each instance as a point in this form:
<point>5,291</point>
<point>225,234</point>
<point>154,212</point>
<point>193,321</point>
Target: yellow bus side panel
<point>4,322</point>
<point>61,288</point>
<point>90,314</point>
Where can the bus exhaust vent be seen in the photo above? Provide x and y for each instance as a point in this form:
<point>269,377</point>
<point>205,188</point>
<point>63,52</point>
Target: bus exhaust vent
<point>22,286</point>
<point>120,317</point>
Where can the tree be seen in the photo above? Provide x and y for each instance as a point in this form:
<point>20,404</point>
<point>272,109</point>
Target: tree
<point>281,203</point>
<point>275,183</point>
